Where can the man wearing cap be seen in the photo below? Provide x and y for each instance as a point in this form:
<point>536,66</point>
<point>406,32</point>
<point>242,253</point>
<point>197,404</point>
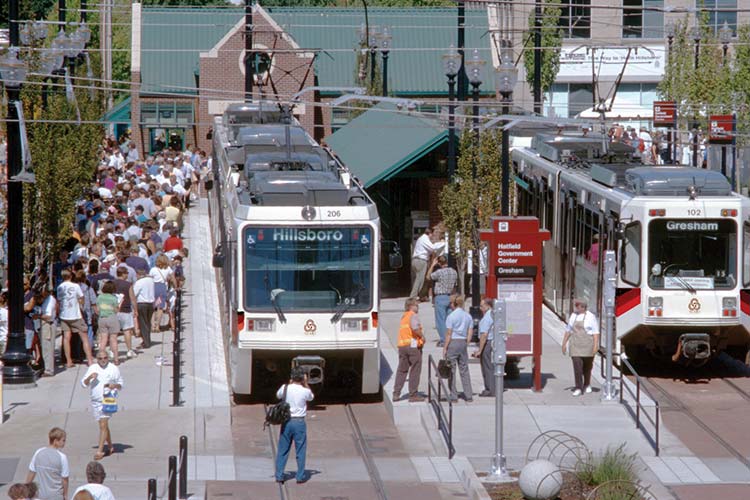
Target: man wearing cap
<point>297,393</point>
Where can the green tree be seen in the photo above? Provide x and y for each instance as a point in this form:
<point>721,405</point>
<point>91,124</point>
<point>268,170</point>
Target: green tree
<point>552,36</point>
<point>741,83</point>
<point>27,9</point>
<point>702,91</point>
<point>471,195</point>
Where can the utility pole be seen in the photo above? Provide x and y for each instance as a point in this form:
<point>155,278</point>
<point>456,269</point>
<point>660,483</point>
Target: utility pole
<point>538,57</point>
<point>249,55</point>
<point>463,81</point>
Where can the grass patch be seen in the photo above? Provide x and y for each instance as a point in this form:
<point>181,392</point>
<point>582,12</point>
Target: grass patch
<point>614,465</point>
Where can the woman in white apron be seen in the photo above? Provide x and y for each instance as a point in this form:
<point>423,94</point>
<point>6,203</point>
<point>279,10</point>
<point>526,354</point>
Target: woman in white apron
<point>582,331</point>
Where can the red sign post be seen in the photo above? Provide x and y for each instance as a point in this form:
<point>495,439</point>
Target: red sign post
<point>665,113</point>
<point>721,129</point>
<point>515,265</point>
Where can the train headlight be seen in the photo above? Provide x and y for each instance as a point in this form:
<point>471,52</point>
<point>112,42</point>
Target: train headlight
<point>260,324</point>
<point>655,306</point>
<point>354,325</point>
<point>729,306</point>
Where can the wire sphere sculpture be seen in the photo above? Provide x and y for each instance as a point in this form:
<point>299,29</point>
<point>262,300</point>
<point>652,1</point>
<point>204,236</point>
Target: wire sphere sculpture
<point>563,449</point>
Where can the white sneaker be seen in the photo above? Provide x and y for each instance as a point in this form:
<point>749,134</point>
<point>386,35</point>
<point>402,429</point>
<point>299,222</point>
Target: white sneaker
<point>577,392</point>
<point>132,354</point>
<point>587,389</point>
<point>110,354</point>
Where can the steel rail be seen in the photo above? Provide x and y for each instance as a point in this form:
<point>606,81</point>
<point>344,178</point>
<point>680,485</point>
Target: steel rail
<point>283,491</point>
<point>682,408</point>
<point>364,451</point>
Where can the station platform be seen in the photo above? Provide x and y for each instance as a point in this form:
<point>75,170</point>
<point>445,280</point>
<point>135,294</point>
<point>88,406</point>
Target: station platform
<point>527,414</point>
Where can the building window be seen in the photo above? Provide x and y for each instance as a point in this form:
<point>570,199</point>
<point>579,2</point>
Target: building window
<point>340,117</point>
<point>575,19</point>
<point>566,100</point>
<point>642,19</point>
<point>719,12</point>
<point>167,113</point>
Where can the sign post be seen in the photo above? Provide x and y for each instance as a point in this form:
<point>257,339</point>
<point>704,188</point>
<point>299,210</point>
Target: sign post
<point>721,131</point>
<point>665,115</point>
<point>499,357</point>
<point>609,393</point>
<point>515,265</point>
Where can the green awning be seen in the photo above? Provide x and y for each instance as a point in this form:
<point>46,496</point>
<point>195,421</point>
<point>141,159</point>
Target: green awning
<point>382,141</point>
<point>120,113</point>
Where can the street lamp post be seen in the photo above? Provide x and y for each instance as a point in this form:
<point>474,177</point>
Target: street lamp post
<point>669,30</point>
<point>16,368</point>
<point>696,35</point>
<point>373,43</point>
<point>474,68</point>
<point>506,78</point>
<point>385,48</point>
<point>725,36</point>
<point>451,65</point>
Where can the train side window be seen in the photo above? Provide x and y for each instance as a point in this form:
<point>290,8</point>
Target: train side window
<point>630,255</point>
<point>746,255</point>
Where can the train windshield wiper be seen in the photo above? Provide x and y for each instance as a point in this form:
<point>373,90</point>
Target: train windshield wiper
<point>347,304</point>
<point>687,286</point>
<point>273,294</point>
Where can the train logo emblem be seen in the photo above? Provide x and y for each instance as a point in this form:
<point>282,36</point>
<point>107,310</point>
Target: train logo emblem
<point>310,327</point>
<point>694,306</point>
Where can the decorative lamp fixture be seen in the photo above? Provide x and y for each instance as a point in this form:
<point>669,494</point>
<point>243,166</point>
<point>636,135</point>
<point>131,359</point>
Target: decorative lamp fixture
<point>474,68</point>
<point>363,34</point>
<point>25,34</point>
<point>725,33</point>
<point>39,30</point>
<point>60,42</point>
<point>696,33</point>
<point>451,62</point>
<point>385,39</point>
<point>670,29</point>
<point>506,77</point>
<point>12,69</point>
<point>374,37</point>
<point>85,33</point>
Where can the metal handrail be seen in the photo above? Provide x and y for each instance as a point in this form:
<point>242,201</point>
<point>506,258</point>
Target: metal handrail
<point>177,349</point>
<point>639,408</point>
<point>445,422</point>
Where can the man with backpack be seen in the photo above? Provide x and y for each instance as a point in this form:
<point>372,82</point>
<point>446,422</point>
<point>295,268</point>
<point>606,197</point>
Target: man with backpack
<point>296,393</point>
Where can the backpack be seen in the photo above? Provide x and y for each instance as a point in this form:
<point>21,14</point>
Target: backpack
<point>279,413</point>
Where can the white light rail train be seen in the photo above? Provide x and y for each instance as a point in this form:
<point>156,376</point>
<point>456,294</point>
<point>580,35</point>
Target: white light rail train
<point>299,251</point>
<point>681,236</point>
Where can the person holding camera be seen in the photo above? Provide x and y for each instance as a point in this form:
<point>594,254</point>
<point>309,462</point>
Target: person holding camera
<point>297,393</point>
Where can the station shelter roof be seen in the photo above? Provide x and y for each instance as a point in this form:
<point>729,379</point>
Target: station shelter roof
<point>173,38</point>
<point>381,142</point>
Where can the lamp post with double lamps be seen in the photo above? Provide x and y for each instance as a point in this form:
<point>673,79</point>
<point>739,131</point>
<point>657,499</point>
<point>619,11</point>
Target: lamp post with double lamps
<point>669,30</point>
<point>385,48</point>
<point>372,42</point>
<point>725,36</point>
<point>696,35</point>
<point>451,65</point>
<point>16,369</point>
<point>506,78</point>
<point>474,68</point>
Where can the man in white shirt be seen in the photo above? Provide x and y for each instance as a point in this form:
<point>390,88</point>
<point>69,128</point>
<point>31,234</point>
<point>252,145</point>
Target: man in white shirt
<point>100,376</point>
<point>70,296</point>
<point>49,466</point>
<point>95,476</point>
<point>424,249</point>
<point>48,317</point>
<point>145,296</point>
<point>298,393</point>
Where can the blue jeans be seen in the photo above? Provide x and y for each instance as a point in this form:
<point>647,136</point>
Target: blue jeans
<point>442,308</point>
<point>296,430</point>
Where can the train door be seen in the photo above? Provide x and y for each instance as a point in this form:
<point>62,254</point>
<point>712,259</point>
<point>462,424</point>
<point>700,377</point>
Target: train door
<point>745,291</point>
<point>568,254</point>
<point>588,231</point>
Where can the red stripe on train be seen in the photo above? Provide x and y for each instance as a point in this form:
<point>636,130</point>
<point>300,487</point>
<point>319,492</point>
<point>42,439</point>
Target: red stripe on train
<point>745,301</point>
<point>627,300</point>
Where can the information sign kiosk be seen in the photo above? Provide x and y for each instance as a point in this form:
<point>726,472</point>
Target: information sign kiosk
<point>515,265</point>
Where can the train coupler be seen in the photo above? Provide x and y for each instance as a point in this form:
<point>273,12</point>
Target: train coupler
<point>313,366</point>
<point>693,346</point>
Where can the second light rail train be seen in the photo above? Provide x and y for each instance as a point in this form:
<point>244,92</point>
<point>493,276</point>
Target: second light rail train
<point>682,242</point>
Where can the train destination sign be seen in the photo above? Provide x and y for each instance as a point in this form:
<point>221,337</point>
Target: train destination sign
<point>692,226</point>
<point>665,113</point>
<point>515,272</point>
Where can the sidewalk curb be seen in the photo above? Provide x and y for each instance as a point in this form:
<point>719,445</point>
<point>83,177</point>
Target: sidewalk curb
<point>470,481</point>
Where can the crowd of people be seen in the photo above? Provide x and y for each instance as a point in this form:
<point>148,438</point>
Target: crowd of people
<point>653,146</point>
<point>114,283</point>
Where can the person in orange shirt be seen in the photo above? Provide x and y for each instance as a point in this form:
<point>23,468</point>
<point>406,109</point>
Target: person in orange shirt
<point>410,342</point>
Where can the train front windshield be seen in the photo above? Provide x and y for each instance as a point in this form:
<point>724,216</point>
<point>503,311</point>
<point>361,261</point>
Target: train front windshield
<point>311,269</point>
<point>692,254</point>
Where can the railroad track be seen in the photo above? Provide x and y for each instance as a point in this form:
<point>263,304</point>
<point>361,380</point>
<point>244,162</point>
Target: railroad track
<point>675,404</point>
<point>361,444</point>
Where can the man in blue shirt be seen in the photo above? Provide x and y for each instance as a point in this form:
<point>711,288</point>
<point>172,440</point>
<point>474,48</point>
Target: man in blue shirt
<point>484,353</point>
<point>458,329</point>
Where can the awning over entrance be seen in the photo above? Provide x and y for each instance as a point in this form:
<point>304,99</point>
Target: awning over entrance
<point>382,141</point>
